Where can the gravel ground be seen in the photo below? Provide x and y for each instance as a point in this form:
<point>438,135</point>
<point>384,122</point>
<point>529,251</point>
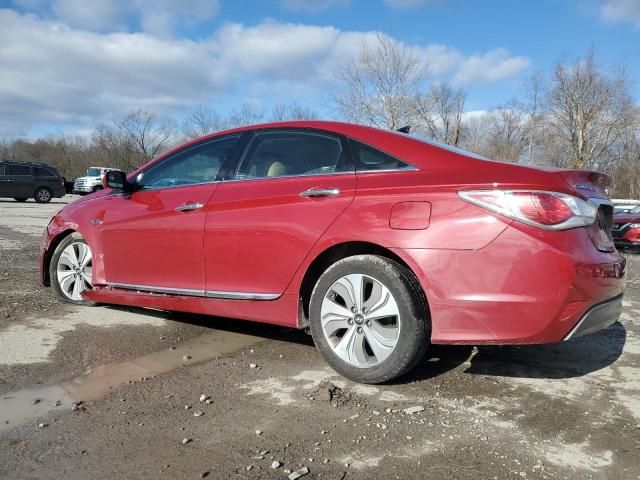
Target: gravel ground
<point>560,411</point>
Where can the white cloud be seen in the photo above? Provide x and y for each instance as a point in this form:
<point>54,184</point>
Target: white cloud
<point>615,11</point>
<point>411,3</point>
<point>159,17</point>
<point>99,15</point>
<point>312,6</point>
<point>56,75</point>
<point>490,67</point>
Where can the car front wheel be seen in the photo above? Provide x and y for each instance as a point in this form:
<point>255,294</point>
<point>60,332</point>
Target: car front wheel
<point>369,319</point>
<point>71,268</point>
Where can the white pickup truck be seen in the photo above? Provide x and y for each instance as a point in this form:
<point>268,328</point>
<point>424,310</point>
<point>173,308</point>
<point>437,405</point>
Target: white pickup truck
<point>90,183</point>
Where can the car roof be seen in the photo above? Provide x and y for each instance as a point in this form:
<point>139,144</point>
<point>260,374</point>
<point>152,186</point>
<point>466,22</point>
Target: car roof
<point>414,150</point>
<point>33,164</point>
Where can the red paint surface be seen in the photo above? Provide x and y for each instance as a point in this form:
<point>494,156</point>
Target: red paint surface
<point>487,278</point>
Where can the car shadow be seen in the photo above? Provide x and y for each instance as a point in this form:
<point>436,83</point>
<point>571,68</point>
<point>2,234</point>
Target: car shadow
<point>245,327</point>
<point>574,358</point>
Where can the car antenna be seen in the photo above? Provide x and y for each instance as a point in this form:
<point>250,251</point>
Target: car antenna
<point>404,129</point>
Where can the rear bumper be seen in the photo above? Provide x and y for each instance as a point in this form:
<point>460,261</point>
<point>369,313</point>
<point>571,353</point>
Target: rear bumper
<point>528,286</point>
<point>598,317</point>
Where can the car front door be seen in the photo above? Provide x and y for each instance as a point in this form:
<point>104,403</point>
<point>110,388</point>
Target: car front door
<point>152,238</point>
<point>288,187</point>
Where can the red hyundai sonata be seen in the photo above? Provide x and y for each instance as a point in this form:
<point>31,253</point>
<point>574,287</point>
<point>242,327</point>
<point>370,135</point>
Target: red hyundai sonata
<point>380,243</point>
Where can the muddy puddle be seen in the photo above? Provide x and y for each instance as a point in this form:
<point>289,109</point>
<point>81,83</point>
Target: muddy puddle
<point>32,405</point>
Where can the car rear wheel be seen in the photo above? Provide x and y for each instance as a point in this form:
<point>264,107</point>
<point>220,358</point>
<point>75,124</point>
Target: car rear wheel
<point>369,319</point>
<point>43,195</point>
<point>71,268</point>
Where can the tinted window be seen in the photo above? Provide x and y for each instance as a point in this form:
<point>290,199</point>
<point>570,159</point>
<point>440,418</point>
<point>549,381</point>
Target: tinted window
<point>198,164</point>
<point>370,159</point>
<point>1,169</point>
<point>18,170</point>
<point>44,172</point>
<point>281,154</point>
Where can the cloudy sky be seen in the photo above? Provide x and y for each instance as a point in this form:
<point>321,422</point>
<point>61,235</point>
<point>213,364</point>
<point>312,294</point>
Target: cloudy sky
<point>66,65</point>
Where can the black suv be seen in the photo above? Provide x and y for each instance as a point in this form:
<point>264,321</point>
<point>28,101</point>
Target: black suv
<point>30,180</point>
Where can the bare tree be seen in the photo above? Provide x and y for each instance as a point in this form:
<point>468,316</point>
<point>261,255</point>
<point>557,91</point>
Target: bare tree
<point>534,93</point>
<point>149,138</point>
<point>378,87</point>
<point>247,114</point>
<point>292,111</point>
<point>439,112</point>
<point>202,120</point>
<point>588,110</point>
<point>116,148</point>
<point>506,136</point>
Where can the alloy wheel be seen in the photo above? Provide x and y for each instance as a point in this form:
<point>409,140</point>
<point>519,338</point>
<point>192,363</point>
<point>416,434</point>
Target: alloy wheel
<point>360,320</point>
<point>44,195</point>
<point>74,270</point>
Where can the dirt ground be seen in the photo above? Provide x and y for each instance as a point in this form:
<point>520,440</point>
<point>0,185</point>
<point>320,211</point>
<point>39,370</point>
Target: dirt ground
<point>116,393</point>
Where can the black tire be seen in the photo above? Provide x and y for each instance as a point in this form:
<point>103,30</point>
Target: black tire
<point>75,237</point>
<point>97,188</point>
<point>20,200</point>
<point>415,323</point>
<point>43,195</point>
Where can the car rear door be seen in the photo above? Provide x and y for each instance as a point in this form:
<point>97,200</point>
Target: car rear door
<point>152,239</point>
<point>287,189</point>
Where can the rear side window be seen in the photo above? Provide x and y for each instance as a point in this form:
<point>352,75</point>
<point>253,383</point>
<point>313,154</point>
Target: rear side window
<point>285,154</point>
<point>44,172</point>
<point>1,169</point>
<point>369,159</point>
<point>18,170</point>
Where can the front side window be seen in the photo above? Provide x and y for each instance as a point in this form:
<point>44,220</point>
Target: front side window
<point>284,154</point>
<point>198,164</point>
<point>18,170</point>
<point>368,158</point>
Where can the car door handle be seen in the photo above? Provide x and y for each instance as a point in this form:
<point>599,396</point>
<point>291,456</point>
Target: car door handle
<point>188,207</point>
<point>321,192</point>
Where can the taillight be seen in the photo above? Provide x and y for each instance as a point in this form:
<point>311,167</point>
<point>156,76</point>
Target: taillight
<point>548,210</point>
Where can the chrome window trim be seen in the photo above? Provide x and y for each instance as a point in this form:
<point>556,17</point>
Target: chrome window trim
<point>155,189</point>
<point>196,293</point>
<point>410,168</point>
<point>351,172</point>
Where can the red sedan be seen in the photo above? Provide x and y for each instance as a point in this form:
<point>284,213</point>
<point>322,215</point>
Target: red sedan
<point>379,242</point>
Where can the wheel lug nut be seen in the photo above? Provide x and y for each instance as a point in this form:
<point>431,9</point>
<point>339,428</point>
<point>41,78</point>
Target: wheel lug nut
<point>359,329</point>
<point>350,321</point>
<point>354,309</point>
<point>364,310</point>
<point>368,324</point>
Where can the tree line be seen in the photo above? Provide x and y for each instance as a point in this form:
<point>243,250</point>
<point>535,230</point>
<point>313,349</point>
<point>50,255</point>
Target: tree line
<point>580,115</point>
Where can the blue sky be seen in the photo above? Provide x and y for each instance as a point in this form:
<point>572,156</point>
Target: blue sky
<point>70,64</point>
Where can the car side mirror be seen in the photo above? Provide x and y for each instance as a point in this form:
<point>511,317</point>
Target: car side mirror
<point>114,179</point>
